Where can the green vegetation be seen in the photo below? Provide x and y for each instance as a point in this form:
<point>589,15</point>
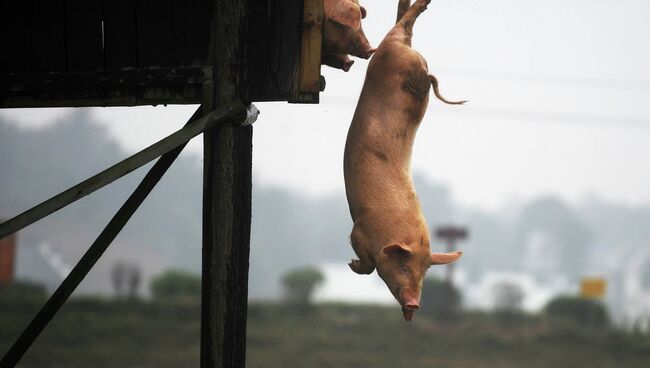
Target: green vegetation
<point>299,285</point>
<point>176,284</point>
<point>581,311</point>
<point>165,333</point>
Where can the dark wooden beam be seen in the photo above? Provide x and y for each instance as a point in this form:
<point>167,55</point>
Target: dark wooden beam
<point>226,199</point>
<point>104,88</point>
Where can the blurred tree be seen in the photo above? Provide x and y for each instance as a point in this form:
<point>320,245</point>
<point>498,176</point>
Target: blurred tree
<point>440,300</point>
<point>508,297</point>
<point>134,277</point>
<point>176,284</point>
<point>299,284</point>
<point>126,279</point>
<point>118,277</point>
<point>585,312</point>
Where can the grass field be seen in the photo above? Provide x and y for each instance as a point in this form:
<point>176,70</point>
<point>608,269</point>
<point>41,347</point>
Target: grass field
<point>107,333</point>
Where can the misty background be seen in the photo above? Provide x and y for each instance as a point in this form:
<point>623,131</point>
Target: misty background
<point>548,166</point>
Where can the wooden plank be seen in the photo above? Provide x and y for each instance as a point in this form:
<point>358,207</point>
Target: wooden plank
<point>290,48</point>
<point>312,38</point>
<point>48,45</point>
<point>179,31</point>
<point>189,95</point>
<point>84,35</point>
<point>155,36</point>
<point>197,41</point>
<point>274,49</point>
<point>259,62</point>
<point>228,113</point>
<point>61,81</point>
<point>15,32</point>
<point>110,88</point>
<point>226,200</point>
<point>120,34</point>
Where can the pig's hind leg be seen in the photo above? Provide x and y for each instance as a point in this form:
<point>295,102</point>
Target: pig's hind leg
<point>402,7</point>
<point>364,265</point>
<point>402,32</point>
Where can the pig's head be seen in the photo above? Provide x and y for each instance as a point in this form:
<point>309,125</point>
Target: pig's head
<point>342,32</point>
<point>403,266</point>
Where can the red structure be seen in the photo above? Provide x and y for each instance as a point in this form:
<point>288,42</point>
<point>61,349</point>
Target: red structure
<point>7,257</point>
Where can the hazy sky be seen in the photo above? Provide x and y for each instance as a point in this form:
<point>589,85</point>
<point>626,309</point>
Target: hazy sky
<point>559,96</point>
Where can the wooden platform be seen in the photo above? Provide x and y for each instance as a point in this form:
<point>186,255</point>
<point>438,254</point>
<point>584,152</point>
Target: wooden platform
<point>143,52</point>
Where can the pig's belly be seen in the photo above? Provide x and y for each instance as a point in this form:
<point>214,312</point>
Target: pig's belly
<point>373,186</point>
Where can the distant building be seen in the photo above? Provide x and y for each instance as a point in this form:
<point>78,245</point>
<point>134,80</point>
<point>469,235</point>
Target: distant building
<point>542,255</point>
<point>37,263</point>
<point>630,279</point>
<point>7,258</point>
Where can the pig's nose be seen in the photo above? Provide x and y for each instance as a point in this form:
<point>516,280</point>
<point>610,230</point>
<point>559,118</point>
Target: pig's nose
<point>412,305</point>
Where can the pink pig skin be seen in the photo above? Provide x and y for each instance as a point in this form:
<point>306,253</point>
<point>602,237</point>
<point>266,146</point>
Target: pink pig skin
<point>343,34</point>
<point>390,233</point>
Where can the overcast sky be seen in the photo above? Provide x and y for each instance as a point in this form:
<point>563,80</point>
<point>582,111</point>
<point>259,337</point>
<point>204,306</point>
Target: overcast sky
<point>559,105</point>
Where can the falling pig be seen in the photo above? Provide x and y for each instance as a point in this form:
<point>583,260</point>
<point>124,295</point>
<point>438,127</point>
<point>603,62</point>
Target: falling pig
<point>343,34</point>
<point>390,233</point>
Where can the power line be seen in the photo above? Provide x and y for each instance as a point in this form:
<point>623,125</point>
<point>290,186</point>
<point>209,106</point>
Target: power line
<point>576,81</point>
<point>552,117</point>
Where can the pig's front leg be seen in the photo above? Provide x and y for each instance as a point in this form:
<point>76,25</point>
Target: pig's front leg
<point>364,265</point>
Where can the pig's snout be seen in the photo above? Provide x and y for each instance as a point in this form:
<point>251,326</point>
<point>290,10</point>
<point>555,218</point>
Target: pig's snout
<point>364,50</point>
<point>409,309</point>
<point>369,52</point>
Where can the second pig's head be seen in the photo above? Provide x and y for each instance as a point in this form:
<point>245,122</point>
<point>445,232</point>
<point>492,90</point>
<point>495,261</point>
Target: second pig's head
<point>342,31</point>
<point>403,266</point>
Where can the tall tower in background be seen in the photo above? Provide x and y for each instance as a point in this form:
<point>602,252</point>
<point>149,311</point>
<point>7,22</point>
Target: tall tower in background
<point>7,258</point>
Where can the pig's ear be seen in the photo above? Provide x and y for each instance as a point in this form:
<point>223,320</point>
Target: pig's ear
<point>397,249</point>
<point>344,12</point>
<point>444,258</point>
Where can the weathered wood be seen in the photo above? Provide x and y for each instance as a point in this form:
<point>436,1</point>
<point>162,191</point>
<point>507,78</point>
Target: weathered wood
<point>88,260</point>
<point>228,112</point>
<point>15,33</point>
<point>49,42</point>
<point>83,26</point>
<point>120,34</point>
<point>48,38</point>
<point>274,49</point>
<point>308,81</point>
<point>116,87</point>
<point>226,200</point>
<point>155,36</point>
<point>197,38</point>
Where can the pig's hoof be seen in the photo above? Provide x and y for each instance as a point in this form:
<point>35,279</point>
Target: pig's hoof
<point>358,267</point>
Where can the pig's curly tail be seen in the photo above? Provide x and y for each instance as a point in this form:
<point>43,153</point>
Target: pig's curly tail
<point>436,91</point>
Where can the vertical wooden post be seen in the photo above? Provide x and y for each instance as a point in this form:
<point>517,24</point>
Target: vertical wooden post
<point>226,199</point>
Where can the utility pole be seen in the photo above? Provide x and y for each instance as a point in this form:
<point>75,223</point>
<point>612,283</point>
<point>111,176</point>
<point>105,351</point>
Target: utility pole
<point>451,234</point>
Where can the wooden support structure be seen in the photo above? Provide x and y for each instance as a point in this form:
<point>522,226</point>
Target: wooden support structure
<point>227,115</point>
<point>226,201</point>
<point>120,169</point>
<point>127,53</point>
<point>148,52</point>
